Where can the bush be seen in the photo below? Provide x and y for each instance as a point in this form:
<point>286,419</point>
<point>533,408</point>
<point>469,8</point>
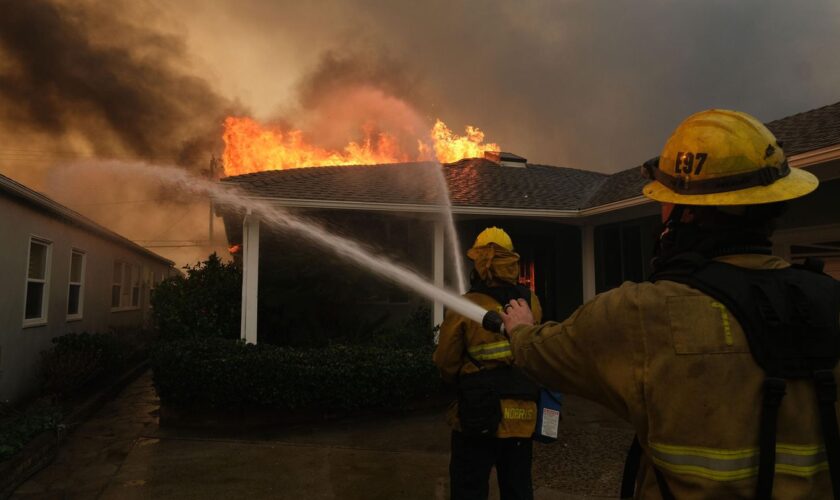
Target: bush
<point>414,332</point>
<point>221,373</point>
<point>204,302</point>
<point>18,428</point>
<point>77,358</point>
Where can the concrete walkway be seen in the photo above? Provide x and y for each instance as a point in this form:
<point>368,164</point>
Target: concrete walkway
<point>121,453</point>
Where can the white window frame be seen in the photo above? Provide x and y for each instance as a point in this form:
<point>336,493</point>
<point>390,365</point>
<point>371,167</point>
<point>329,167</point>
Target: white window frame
<point>129,279</point>
<point>80,283</point>
<point>45,298</point>
<point>115,282</point>
<point>136,284</point>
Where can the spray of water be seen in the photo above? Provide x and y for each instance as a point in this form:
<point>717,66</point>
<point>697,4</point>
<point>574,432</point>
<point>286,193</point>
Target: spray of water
<point>276,216</point>
<point>454,244</point>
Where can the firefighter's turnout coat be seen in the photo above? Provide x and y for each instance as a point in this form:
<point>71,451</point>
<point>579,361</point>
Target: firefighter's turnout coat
<point>460,336</point>
<point>676,364</point>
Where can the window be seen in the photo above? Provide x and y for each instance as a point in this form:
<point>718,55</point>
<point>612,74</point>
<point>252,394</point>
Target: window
<point>135,286</point>
<point>75,291</point>
<point>150,277</point>
<point>37,282</point>
<point>125,288</point>
<point>116,287</point>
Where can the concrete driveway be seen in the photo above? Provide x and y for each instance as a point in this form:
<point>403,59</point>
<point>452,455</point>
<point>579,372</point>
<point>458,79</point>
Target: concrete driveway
<point>121,453</point>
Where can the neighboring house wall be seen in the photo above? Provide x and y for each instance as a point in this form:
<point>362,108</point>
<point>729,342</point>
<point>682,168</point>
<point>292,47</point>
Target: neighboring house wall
<point>21,341</point>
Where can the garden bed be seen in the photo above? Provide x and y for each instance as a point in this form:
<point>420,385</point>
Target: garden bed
<point>80,373</point>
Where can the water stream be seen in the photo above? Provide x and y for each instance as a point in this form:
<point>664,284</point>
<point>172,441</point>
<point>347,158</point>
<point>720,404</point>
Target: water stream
<point>452,234</point>
<point>277,216</point>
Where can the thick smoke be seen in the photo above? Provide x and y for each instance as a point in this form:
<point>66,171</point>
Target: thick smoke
<point>595,84</point>
<point>347,94</point>
<point>103,80</point>
<point>78,70</point>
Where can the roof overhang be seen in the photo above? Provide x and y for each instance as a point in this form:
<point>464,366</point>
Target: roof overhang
<point>815,157</point>
<point>456,209</point>
<point>18,191</point>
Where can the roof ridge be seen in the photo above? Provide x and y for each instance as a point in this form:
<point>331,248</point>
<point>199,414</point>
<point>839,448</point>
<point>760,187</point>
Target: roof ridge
<point>803,113</point>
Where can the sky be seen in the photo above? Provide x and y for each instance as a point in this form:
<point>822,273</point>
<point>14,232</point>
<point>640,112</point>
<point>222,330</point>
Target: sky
<point>589,84</point>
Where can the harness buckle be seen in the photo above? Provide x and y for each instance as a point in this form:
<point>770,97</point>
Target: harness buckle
<point>826,386</point>
<point>774,391</point>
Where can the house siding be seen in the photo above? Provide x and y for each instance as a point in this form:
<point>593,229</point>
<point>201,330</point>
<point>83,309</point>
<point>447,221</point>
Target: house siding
<point>20,346</point>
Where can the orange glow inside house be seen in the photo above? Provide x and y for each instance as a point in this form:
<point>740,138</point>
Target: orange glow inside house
<point>527,274</point>
<point>254,147</point>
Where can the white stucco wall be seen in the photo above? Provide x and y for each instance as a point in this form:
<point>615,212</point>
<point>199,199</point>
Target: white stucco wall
<point>20,346</point>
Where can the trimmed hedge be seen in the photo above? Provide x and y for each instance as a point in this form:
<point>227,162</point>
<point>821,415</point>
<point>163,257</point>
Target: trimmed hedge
<point>229,374</point>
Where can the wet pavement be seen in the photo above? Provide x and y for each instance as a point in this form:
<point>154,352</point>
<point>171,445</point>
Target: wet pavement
<point>121,453</point>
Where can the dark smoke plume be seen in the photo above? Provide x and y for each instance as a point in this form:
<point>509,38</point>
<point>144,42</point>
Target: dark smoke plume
<point>78,68</point>
<point>337,71</point>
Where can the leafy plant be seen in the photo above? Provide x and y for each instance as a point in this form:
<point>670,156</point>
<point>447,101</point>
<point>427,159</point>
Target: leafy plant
<point>77,358</point>
<point>18,428</point>
<point>203,302</point>
<point>220,373</point>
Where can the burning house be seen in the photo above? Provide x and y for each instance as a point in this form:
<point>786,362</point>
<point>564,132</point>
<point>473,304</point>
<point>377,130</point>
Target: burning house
<point>578,232</point>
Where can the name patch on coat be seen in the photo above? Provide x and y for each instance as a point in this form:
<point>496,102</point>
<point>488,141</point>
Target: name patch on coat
<point>518,413</point>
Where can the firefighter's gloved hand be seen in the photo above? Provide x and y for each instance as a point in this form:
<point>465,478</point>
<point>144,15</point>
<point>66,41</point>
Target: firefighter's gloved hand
<point>516,313</point>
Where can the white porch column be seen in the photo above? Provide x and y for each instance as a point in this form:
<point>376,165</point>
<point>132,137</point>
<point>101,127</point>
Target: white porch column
<point>437,251</point>
<point>587,257</point>
<point>250,277</point>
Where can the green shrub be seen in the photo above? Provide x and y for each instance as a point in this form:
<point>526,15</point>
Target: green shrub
<point>414,332</point>
<point>204,302</point>
<point>221,373</point>
<point>77,358</point>
<point>18,428</point>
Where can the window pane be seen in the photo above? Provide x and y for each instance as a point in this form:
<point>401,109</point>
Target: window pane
<point>73,302</point>
<point>115,296</point>
<point>126,273</point>
<point>135,296</point>
<point>76,267</point>
<point>37,260</point>
<point>34,300</point>
<point>117,273</point>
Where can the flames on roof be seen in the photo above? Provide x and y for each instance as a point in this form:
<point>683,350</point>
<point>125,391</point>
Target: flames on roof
<point>251,146</point>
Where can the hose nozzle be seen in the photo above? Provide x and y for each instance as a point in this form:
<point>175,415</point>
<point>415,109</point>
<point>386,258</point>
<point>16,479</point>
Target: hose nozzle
<point>493,321</point>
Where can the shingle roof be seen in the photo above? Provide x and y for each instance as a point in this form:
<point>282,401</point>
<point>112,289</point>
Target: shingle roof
<point>481,183</point>
<point>619,186</point>
<point>472,182</point>
<point>810,130</point>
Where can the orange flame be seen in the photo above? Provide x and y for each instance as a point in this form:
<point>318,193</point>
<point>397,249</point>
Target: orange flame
<point>253,147</point>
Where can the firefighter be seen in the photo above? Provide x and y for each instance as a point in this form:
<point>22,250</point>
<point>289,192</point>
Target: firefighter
<point>725,360</point>
<point>494,416</point>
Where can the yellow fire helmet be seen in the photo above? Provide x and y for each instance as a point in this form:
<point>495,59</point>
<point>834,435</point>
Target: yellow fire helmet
<point>721,157</point>
<point>494,235</point>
